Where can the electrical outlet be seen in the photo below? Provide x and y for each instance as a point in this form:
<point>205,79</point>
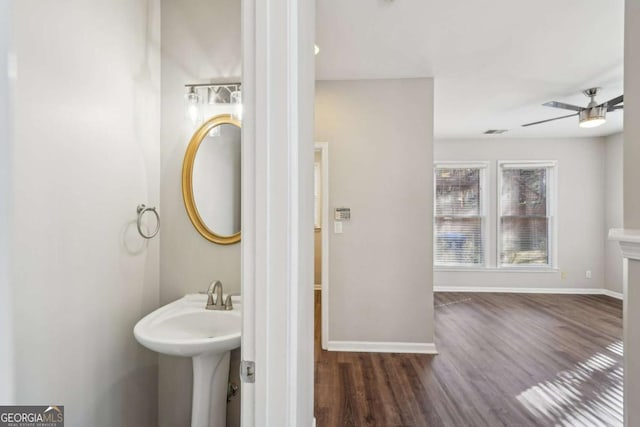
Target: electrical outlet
<point>563,275</point>
<point>587,274</point>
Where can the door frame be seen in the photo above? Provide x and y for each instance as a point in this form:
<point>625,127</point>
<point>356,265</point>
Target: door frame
<point>323,148</point>
<point>278,88</point>
<point>7,385</point>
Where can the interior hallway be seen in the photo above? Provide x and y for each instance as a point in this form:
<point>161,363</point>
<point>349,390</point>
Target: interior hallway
<point>504,360</point>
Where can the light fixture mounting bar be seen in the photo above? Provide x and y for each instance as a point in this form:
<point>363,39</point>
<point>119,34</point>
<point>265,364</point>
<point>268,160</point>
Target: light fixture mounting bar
<point>230,86</point>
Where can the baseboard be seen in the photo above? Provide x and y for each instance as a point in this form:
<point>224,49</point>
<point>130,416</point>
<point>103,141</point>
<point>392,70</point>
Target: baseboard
<point>573,291</point>
<point>382,347</point>
<point>612,294</point>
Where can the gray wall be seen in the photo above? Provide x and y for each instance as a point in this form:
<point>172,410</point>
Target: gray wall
<point>632,207</point>
<point>580,209</point>
<point>380,135</point>
<point>86,152</point>
<point>613,194</point>
<point>632,115</point>
<point>200,43</point>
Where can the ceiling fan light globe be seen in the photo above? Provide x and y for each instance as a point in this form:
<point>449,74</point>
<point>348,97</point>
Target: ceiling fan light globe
<point>592,123</point>
<point>593,117</point>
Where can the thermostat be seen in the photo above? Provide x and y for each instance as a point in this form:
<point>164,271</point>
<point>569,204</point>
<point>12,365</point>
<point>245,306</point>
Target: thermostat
<point>342,214</point>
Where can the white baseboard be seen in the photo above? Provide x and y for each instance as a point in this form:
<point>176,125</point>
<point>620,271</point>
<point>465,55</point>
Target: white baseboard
<point>382,347</point>
<point>574,291</point>
<point>613,294</point>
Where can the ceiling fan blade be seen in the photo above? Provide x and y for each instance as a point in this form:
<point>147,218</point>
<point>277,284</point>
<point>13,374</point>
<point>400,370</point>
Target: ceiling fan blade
<point>549,120</point>
<point>562,105</point>
<point>615,101</point>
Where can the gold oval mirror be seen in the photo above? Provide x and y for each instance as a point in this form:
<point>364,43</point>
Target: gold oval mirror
<point>211,180</point>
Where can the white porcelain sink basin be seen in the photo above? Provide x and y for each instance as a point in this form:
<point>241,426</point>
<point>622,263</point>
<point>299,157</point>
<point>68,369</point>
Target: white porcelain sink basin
<point>185,328</point>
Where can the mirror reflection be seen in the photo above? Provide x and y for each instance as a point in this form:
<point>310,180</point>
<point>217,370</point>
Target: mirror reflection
<point>216,180</point>
<point>211,180</point>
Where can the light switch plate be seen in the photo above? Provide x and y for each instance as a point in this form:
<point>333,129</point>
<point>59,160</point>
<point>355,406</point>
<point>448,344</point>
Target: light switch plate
<point>337,227</point>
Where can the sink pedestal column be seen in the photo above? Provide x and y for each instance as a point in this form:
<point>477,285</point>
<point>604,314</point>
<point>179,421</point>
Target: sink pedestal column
<point>210,381</point>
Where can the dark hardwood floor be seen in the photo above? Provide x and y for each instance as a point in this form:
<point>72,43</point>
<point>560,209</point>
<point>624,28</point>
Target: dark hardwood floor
<point>504,360</point>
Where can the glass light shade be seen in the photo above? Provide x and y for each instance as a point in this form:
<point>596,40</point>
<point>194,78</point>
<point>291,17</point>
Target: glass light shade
<point>236,101</point>
<point>592,123</point>
<point>192,108</point>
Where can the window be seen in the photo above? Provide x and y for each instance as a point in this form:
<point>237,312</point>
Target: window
<point>525,214</point>
<point>459,215</point>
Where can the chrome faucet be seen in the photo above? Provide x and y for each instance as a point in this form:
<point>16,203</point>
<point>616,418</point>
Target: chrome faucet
<point>216,304</point>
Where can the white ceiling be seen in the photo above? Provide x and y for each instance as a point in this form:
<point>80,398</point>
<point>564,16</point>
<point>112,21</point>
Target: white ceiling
<point>494,62</point>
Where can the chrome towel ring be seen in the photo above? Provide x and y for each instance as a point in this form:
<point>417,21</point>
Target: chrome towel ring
<point>141,211</point>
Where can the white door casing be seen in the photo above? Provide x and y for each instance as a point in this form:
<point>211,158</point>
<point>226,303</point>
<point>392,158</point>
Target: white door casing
<point>7,387</point>
<point>277,204</point>
<point>323,147</point>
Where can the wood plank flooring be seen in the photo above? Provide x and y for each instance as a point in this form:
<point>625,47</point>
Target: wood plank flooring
<point>511,360</point>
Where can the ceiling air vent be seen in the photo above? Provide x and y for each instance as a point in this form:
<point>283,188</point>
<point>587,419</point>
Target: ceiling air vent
<point>495,131</point>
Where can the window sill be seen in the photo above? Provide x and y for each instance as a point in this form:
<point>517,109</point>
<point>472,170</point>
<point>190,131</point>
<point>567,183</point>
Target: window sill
<point>496,270</point>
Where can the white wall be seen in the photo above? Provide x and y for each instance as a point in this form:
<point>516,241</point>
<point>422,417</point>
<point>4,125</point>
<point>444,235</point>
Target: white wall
<point>613,194</point>
<point>580,209</point>
<point>632,207</point>
<point>6,326</point>
<point>200,43</point>
<point>85,152</point>
<point>380,136</point>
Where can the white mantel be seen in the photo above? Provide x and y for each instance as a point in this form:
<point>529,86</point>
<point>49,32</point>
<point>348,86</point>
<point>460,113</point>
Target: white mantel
<point>629,240</point>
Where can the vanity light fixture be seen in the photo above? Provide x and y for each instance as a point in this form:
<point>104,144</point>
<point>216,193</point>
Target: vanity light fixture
<point>216,94</point>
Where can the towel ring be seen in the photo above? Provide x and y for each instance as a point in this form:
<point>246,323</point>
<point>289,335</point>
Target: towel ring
<point>141,210</point>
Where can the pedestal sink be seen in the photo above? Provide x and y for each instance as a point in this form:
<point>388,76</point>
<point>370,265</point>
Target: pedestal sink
<point>185,328</point>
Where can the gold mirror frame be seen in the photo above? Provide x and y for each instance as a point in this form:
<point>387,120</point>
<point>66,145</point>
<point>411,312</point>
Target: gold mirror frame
<point>187,180</point>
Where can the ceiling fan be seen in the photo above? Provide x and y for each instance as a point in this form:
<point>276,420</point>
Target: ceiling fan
<point>592,115</point>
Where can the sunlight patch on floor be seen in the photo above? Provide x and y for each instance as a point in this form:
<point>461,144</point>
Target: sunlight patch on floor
<point>565,402</point>
<point>616,348</point>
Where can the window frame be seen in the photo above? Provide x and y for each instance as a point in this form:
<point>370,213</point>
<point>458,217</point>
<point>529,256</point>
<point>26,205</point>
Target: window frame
<point>483,167</point>
<point>552,233</point>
